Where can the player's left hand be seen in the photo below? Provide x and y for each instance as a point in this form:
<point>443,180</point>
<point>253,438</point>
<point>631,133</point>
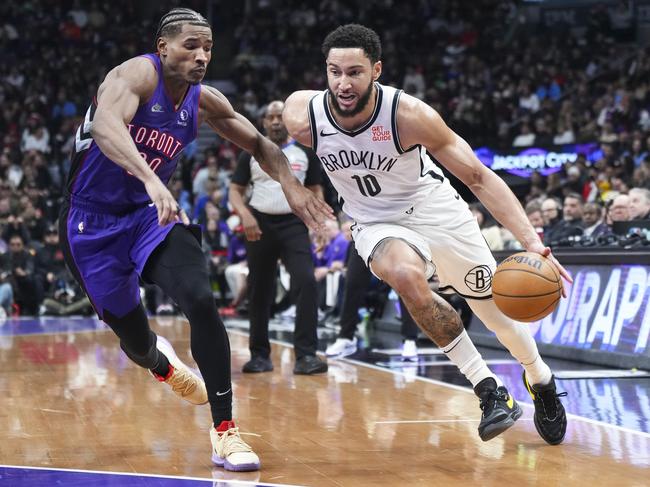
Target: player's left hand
<point>183,216</point>
<point>539,248</point>
<point>311,209</point>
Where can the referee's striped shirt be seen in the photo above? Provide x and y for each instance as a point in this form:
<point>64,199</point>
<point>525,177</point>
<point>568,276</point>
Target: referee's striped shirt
<point>267,195</point>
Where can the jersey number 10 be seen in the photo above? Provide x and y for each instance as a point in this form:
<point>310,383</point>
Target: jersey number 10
<point>368,185</point>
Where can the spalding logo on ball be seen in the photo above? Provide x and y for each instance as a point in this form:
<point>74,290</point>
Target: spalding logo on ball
<point>526,286</point>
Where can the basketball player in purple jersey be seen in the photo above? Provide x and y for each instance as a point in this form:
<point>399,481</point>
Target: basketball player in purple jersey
<point>121,222</point>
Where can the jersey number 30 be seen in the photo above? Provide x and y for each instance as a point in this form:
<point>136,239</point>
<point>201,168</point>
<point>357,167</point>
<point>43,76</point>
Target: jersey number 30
<point>368,185</point>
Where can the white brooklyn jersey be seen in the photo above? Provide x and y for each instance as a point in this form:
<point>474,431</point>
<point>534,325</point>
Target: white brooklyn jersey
<point>376,179</point>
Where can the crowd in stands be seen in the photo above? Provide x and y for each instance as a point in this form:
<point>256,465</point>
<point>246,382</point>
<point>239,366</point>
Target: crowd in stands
<point>496,77</point>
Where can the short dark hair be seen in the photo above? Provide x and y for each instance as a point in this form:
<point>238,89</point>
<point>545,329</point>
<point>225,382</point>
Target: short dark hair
<point>354,35</point>
<point>574,196</point>
<point>172,22</point>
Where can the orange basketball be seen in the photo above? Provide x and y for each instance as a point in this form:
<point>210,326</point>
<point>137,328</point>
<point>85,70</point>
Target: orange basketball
<point>526,286</point>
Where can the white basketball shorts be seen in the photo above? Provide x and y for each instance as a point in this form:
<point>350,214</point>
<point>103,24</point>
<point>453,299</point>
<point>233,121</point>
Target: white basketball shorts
<point>443,231</point>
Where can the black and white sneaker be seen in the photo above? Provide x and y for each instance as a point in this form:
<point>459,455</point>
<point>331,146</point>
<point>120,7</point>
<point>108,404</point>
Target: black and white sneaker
<point>500,410</point>
<point>550,417</point>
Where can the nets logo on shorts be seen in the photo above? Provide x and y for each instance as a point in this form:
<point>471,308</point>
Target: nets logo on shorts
<point>479,279</point>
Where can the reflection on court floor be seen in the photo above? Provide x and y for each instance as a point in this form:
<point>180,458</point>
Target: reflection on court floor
<point>75,411</point>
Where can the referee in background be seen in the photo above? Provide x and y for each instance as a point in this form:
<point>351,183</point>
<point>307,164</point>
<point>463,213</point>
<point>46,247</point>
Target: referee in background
<point>272,232</point>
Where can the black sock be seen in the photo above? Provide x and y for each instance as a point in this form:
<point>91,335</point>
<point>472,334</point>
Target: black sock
<point>162,367</point>
<point>221,408</point>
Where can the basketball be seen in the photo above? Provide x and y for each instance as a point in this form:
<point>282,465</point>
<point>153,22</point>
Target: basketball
<point>526,286</point>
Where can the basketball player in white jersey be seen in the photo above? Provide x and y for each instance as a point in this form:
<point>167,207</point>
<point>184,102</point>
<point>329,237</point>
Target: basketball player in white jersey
<point>409,222</point>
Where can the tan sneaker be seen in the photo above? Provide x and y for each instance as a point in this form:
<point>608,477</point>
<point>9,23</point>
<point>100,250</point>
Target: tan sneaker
<point>181,379</point>
<point>230,451</point>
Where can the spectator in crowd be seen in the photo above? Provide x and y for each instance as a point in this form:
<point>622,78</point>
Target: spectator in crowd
<point>210,172</point>
<point>557,230</point>
<point>592,219</point>
<point>61,294</point>
<point>18,267</point>
<point>572,209</point>
<point>534,213</point>
<point>15,226</point>
<point>639,203</point>
<point>35,136</point>
<point>574,182</point>
<point>563,134</point>
<point>216,241</point>
<point>619,209</point>
<point>6,293</point>
<point>236,270</point>
<point>525,138</point>
<point>50,266</point>
<point>331,253</point>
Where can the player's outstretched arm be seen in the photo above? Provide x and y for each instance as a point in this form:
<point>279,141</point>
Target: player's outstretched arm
<point>418,123</point>
<point>219,114</point>
<point>118,98</point>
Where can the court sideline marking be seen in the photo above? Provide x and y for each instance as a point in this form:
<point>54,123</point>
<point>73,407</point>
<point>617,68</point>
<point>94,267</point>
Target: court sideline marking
<point>151,475</point>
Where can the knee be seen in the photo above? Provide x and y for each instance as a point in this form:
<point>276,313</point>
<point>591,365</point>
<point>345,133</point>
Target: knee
<point>409,282</point>
<point>197,299</point>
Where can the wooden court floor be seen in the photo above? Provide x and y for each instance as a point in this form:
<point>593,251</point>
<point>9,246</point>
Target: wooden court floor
<point>72,400</point>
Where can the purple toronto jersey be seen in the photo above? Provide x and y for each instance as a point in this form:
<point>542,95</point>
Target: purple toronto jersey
<point>109,228</point>
<point>160,132</point>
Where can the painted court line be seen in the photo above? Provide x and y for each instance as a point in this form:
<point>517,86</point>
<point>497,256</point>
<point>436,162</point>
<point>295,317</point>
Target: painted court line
<point>420,421</point>
<point>149,475</point>
<point>466,390</point>
<point>602,374</point>
<point>437,363</point>
<point>398,351</point>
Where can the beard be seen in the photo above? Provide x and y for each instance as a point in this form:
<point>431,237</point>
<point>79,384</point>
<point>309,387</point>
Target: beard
<point>361,104</point>
<point>278,137</point>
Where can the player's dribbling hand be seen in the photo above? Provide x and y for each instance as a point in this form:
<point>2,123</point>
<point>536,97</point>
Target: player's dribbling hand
<point>309,208</point>
<point>168,211</point>
<point>539,248</point>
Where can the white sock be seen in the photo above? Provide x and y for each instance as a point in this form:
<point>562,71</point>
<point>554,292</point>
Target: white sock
<point>516,337</point>
<point>537,372</point>
<point>462,352</point>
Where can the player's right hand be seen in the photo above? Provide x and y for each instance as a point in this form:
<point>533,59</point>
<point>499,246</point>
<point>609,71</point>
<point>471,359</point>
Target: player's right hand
<point>251,228</point>
<point>168,210</point>
<point>540,248</point>
<point>308,207</point>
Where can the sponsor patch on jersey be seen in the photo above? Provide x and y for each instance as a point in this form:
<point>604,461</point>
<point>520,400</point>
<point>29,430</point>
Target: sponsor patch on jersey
<point>380,134</point>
